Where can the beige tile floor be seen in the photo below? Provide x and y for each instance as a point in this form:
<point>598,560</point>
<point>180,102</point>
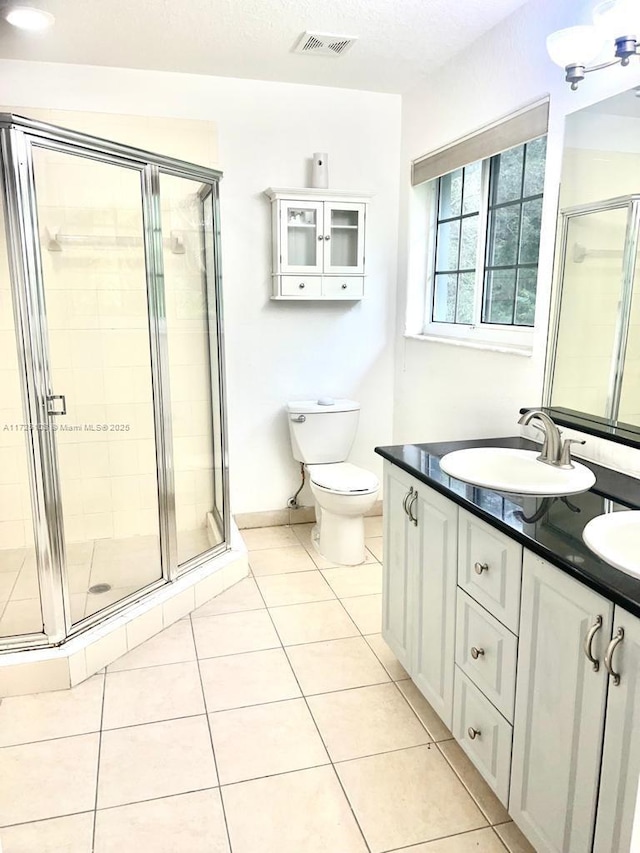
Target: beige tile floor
<point>274,719</point>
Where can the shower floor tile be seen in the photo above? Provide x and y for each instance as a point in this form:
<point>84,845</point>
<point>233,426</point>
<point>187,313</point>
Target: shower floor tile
<point>219,695</point>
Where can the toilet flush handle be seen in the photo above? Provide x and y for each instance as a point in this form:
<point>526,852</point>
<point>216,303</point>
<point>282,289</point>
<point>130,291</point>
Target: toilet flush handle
<point>299,420</point>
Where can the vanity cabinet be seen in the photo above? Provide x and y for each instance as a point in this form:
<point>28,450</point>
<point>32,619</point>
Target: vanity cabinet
<point>318,244</point>
<point>519,659</point>
<point>576,756</point>
<point>419,588</point>
<point>560,707</point>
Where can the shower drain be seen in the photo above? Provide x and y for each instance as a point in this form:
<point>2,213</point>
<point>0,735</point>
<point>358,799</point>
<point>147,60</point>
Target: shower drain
<point>97,588</point>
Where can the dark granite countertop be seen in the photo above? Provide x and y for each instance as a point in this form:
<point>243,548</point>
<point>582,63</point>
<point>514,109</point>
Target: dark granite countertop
<point>550,527</point>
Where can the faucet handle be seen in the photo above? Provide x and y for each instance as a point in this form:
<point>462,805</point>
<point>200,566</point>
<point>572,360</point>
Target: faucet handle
<point>565,457</point>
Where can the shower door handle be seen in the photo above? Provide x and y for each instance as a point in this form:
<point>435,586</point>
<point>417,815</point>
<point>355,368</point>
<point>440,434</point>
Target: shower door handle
<point>63,404</point>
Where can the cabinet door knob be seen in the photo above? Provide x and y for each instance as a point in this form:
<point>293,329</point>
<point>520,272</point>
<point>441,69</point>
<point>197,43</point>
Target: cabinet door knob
<point>480,568</point>
<point>344,285</point>
<point>320,238</point>
<point>476,653</point>
<point>473,733</point>
<point>327,236</point>
<point>301,285</point>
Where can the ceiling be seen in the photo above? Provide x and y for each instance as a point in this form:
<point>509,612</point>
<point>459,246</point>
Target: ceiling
<point>400,41</point>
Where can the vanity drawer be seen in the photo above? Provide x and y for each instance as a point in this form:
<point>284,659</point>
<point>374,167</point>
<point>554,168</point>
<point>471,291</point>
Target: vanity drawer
<point>348,287</point>
<point>490,569</point>
<point>484,734</point>
<point>305,286</point>
<point>486,652</point>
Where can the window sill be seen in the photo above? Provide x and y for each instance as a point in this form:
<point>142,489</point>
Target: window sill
<point>507,349</point>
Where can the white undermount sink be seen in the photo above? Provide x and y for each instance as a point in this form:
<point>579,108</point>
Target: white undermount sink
<point>506,469</point>
<point>615,538</point>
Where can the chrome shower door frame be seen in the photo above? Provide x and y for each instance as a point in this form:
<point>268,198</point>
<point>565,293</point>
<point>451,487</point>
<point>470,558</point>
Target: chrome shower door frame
<point>17,138</point>
<point>630,249</point>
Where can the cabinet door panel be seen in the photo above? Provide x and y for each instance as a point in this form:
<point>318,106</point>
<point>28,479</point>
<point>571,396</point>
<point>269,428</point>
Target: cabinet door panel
<point>559,712</point>
<point>484,735</point>
<point>344,238</point>
<point>486,652</point>
<point>301,243</point>
<point>621,756</point>
<point>435,542</point>
<point>397,622</point>
<point>490,569</point>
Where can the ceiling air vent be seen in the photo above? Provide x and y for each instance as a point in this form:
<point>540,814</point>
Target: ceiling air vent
<point>323,44</point>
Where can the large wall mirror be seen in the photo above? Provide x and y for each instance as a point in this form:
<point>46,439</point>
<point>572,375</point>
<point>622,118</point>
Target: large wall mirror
<point>593,360</point>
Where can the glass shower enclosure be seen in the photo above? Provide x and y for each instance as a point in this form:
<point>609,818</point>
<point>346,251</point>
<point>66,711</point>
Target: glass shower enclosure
<point>113,462</point>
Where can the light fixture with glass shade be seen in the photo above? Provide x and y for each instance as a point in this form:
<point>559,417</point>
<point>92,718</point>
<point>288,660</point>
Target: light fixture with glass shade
<point>28,18</point>
<point>616,21</point>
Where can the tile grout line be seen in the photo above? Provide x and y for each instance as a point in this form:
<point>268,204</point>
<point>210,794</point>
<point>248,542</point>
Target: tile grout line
<point>467,788</point>
<point>95,803</point>
<point>331,764</point>
<point>410,847</point>
<point>213,749</point>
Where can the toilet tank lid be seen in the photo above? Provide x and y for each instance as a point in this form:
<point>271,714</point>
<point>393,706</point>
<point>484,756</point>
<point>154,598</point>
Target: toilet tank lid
<point>323,405</point>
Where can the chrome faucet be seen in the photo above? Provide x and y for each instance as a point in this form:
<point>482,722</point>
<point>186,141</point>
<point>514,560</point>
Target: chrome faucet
<point>554,451</point>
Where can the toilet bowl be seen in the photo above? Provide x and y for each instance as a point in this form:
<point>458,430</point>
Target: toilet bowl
<point>322,432</point>
<point>343,493</point>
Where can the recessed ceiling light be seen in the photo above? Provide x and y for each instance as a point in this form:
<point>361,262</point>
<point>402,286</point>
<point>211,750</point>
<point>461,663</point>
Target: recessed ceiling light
<point>28,18</point>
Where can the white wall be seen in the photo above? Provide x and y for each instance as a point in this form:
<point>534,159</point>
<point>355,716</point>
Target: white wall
<point>447,392</point>
<point>275,351</point>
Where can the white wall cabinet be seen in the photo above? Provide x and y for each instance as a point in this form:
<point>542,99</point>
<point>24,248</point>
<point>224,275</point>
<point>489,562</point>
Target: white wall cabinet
<point>318,244</point>
<point>420,558</point>
<point>465,610</point>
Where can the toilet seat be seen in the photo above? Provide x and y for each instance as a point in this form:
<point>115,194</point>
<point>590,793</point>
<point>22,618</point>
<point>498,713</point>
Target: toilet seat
<point>343,478</point>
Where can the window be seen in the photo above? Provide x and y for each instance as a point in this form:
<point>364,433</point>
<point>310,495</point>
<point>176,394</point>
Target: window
<point>485,246</point>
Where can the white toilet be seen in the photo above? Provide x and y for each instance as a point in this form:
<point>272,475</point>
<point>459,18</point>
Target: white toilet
<point>322,433</point>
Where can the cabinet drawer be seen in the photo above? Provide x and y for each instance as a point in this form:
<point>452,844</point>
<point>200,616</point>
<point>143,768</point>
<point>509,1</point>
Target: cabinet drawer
<point>349,287</point>
<point>490,569</point>
<point>305,286</point>
<point>486,651</point>
<point>484,734</point>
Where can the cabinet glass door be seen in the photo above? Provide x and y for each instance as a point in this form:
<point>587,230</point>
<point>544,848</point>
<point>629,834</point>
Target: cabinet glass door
<point>301,236</point>
<point>344,238</point>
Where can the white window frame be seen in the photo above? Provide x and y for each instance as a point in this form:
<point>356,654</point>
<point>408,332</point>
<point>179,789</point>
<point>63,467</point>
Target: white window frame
<point>486,335</point>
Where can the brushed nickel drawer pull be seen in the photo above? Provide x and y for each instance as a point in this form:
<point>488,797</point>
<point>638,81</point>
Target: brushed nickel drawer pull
<point>480,568</point>
<point>473,733</point>
<point>476,653</point>
<point>588,643</point>
<point>608,658</point>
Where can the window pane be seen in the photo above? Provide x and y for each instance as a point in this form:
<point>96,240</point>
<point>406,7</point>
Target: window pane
<point>450,194</point>
<point>534,166</point>
<point>466,292</point>
<point>507,175</point>
<point>530,237</point>
<point>499,296</point>
<point>469,243</point>
<point>503,248</point>
<point>444,303</point>
<point>526,298</point>
<point>472,187</point>
<point>448,243</point>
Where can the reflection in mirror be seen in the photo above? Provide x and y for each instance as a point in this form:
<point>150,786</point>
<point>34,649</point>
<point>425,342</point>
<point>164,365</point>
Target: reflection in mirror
<point>593,361</point>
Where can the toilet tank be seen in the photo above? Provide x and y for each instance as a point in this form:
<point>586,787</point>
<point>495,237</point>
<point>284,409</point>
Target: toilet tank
<point>323,430</point>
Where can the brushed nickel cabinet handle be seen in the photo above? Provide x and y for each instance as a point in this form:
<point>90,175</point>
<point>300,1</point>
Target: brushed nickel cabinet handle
<point>480,568</point>
<point>473,733</point>
<point>406,498</point>
<point>476,653</point>
<point>588,643</point>
<point>412,517</point>
<point>608,658</point>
